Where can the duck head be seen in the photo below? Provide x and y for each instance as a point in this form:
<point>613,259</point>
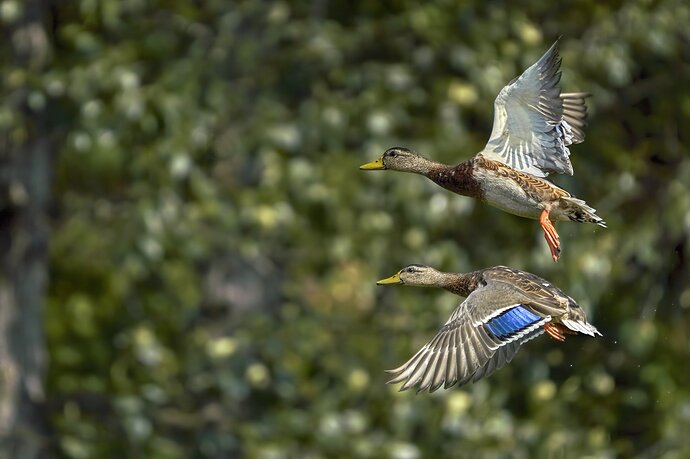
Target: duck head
<point>416,275</point>
<point>400,159</point>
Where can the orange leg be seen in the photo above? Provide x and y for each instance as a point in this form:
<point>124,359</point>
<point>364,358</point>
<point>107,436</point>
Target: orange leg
<point>558,331</point>
<point>554,332</point>
<point>550,235</point>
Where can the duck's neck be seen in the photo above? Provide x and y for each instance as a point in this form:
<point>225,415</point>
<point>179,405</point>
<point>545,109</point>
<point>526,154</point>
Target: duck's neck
<point>424,166</point>
<point>458,179</point>
<point>459,283</point>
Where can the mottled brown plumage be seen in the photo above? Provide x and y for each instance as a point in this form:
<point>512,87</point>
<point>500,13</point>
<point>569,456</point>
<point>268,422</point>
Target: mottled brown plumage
<point>533,126</point>
<point>504,308</point>
<point>458,179</point>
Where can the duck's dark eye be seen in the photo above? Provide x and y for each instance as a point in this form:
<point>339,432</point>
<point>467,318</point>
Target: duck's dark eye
<point>393,154</point>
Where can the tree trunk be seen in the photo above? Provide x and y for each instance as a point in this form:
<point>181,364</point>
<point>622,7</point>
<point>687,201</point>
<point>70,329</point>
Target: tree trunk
<point>26,156</point>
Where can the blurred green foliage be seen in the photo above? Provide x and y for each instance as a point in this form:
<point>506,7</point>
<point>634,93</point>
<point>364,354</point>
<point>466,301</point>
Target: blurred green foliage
<point>215,246</point>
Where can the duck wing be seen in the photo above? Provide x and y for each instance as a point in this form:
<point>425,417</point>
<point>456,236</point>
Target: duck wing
<point>534,123</point>
<point>482,335</point>
<point>541,296</point>
<point>504,355</point>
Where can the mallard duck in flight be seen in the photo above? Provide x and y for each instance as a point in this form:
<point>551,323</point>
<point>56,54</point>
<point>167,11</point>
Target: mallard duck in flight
<point>504,308</point>
<point>533,126</point>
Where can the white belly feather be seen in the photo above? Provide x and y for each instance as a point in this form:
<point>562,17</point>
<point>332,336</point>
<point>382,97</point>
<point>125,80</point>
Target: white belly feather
<point>507,195</point>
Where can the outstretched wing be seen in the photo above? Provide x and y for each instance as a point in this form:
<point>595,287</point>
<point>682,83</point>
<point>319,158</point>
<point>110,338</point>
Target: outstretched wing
<point>504,355</point>
<point>542,296</point>
<point>483,334</point>
<point>534,123</point>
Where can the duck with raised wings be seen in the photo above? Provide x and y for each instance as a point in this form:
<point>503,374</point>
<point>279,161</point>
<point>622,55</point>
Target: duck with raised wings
<point>504,308</point>
<point>533,126</point>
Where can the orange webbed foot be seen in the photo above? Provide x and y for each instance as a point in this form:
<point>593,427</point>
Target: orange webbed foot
<point>550,235</point>
<point>558,331</point>
<point>554,331</point>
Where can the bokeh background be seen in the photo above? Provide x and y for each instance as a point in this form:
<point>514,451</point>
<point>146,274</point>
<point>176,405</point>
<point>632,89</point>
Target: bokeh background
<point>189,250</point>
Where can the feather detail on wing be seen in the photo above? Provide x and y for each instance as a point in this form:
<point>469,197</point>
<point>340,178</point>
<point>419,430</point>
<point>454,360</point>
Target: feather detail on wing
<point>581,327</point>
<point>504,355</point>
<point>474,343</point>
<point>542,296</point>
<point>534,123</point>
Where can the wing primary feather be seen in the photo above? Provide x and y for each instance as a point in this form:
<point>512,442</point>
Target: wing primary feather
<point>529,116</point>
<point>452,370</point>
<point>417,374</point>
<point>430,370</point>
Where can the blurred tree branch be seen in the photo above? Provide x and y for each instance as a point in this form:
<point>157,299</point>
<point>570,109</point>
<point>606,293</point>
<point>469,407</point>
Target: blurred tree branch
<point>26,165</point>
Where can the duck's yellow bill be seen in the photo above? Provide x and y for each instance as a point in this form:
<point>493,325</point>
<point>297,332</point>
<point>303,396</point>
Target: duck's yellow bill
<point>394,279</point>
<point>373,166</point>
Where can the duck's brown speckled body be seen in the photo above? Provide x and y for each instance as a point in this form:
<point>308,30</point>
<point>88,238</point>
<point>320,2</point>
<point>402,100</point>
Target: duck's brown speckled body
<point>533,126</point>
<point>504,308</point>
<point>459,179</point>
<point>510,190</point>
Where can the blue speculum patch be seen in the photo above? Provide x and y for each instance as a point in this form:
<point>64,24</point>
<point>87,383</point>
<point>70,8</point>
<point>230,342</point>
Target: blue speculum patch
<point>511,321</point>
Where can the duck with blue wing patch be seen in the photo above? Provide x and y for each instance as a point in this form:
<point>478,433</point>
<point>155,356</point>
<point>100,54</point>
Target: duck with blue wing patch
<point>504,309</point>
<point>512,322</point>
